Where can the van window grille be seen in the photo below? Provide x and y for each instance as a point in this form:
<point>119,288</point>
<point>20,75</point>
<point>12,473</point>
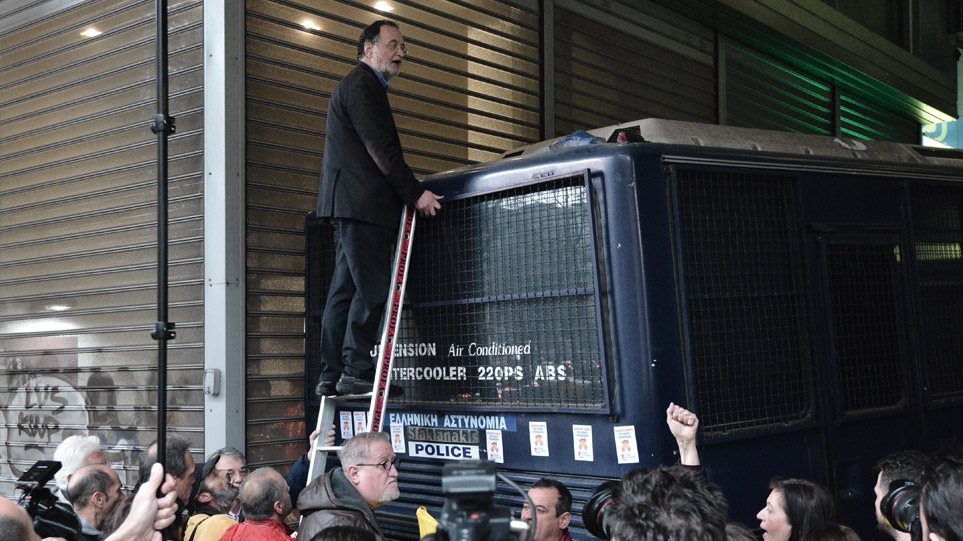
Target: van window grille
<point>938,237</point>
<point>747,333</point>
<point>865,291</point>
<point>501,305</point>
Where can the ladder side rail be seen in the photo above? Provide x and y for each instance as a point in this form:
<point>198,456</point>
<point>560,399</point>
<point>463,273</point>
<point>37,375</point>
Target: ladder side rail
<point>386,352</point>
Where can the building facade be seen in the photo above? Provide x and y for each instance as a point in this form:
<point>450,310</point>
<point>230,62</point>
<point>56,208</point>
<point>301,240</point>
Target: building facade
<point>249,85</point>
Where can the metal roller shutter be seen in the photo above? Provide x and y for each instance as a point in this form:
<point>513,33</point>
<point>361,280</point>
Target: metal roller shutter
<point>78,231</point>
<point>867,119</point>
<point>468,91</point>
<point>616,63</point>
<point>761,91</point>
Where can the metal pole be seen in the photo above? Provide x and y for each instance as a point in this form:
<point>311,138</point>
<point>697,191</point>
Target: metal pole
<point>163,125</point>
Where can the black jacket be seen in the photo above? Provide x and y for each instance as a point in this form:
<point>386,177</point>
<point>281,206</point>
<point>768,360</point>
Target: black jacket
<point>365,176</point>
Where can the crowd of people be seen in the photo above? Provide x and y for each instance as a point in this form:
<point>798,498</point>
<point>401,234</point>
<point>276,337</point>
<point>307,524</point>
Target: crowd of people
<point>918,497</point>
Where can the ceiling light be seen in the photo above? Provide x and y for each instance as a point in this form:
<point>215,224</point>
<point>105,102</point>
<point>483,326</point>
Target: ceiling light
<point>56,307</point>
<point>381,5</point>
<point>308,24</point>
<point>91,32</point>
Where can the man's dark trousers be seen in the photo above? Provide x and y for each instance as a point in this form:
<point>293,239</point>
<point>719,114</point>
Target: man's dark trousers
<point>356,298</point>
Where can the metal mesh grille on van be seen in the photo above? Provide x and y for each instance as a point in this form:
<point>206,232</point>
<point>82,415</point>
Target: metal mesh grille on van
<point>745,297</point>
<point>504,319</point>
<point>938,236</point>
<point>865,293</point>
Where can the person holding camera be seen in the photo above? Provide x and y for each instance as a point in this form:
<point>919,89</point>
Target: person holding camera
<point>347,496</point>
<point>148,514</point>
<point>900,477</point>
<point>15,523</point>
<point>94,492</point>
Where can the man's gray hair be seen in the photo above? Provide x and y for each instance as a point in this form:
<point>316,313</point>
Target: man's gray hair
<point>86,482</point>
<point>72,454</point>
<point>176,461</point>
<point>355,450</point>
<point>259,491</point>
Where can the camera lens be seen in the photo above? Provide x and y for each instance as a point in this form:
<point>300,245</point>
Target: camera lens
<point>593,514</point>
<point>901,507</point>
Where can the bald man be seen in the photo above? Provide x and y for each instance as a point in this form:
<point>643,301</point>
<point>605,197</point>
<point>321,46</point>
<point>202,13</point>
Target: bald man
<point>265,502</point>
<point>94,492</point>
<point>15,523</point>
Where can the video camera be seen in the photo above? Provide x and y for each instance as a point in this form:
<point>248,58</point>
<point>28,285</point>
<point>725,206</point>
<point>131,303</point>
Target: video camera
<point>51,517</point>
<point>901,508</point>
<point>594,512</point>
<point>469,513</point>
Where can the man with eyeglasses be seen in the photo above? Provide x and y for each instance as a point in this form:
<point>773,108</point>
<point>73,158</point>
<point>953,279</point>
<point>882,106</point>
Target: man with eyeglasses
<point>348,496</point>
<point>216,504</point>
<point>365,183</point>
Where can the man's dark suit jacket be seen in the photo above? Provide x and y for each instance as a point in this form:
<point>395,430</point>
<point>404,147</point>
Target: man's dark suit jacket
<point>360,124</point>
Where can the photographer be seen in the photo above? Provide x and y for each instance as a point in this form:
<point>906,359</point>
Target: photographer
<point>906,469</point>
<point>148,514</point>
<point>15,523</point>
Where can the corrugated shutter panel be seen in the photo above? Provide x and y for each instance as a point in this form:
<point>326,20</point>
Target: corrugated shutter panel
<point>78,231</point>
<point>762,92</point>
<point>468,91</point>
<point>623,63</point>
<point>865,119</point>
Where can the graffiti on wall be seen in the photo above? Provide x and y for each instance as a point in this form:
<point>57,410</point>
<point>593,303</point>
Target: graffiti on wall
<point>46,397</point>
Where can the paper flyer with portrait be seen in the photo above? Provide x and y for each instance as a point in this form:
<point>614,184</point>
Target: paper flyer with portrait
<point>625,446</point>
<point>496,450</point>
<point>397,437</point>
<point>582,442</point>
<point>346,431</point>
<point>359,421</point>
<point>538,437</point>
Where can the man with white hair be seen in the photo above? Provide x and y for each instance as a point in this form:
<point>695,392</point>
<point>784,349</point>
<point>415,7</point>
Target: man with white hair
<point>348,496</point>
<point>73,453</point>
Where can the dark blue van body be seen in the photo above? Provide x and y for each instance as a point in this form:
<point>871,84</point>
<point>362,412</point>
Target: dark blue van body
<point>803,295</point>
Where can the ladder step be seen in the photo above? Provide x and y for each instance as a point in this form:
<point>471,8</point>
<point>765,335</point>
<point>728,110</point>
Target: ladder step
<point>328,449</point>
<point>350,397</point>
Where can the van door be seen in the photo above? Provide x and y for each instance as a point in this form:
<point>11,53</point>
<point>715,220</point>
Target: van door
<point>865,356</point>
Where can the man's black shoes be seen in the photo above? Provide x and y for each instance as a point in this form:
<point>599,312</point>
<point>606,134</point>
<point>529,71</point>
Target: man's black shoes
<point>349,384</point>
<point>325,388</point>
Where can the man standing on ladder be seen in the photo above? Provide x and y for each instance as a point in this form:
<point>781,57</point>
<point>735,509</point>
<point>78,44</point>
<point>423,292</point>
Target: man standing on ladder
<point>365,184</point>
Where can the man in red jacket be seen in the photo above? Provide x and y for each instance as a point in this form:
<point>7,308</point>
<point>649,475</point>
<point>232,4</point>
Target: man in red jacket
<point>265,503</point>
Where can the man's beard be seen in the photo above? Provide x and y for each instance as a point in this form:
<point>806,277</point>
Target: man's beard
<point>225,497</point>
<point>390,494</point>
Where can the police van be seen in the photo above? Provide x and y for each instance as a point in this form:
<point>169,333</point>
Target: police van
<point>803,294</point>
